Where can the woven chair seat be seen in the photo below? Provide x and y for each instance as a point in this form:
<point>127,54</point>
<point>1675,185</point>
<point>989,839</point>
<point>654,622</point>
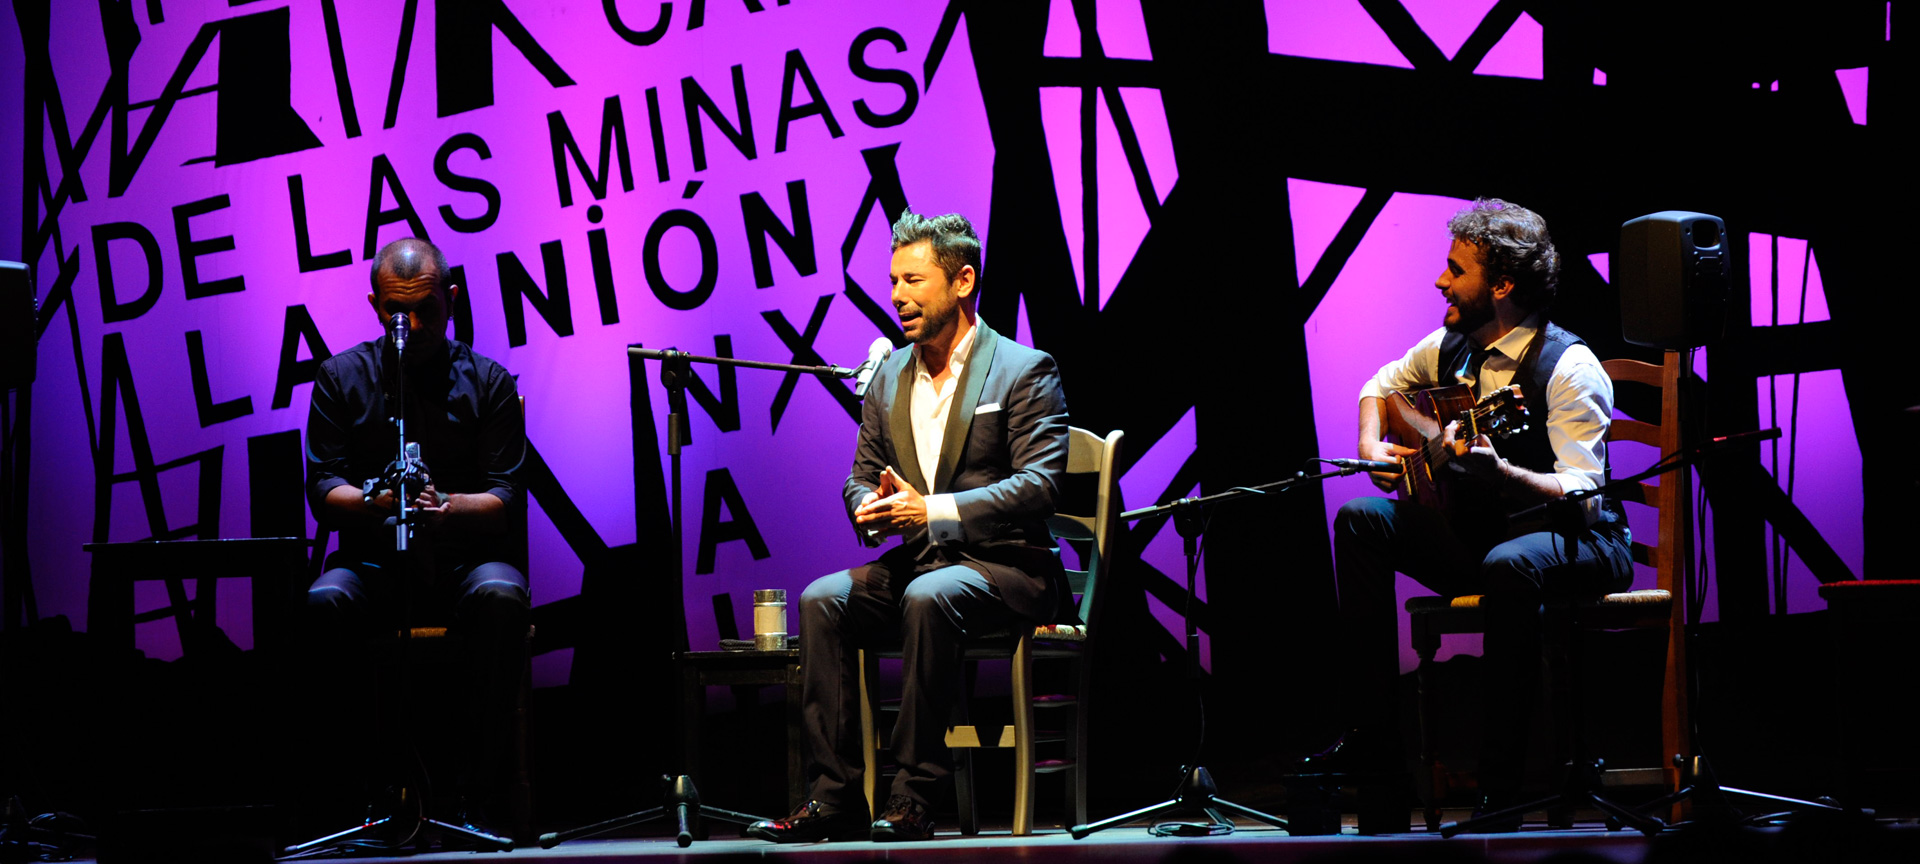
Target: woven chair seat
<point>1646,597</point>
<point>1061,632</point>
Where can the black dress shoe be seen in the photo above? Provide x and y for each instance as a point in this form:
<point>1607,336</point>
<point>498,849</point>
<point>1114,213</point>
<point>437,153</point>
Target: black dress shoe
<point>810,822</point>
<point>904,819</point>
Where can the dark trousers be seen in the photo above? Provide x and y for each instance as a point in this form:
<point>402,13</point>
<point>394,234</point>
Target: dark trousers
<point>929,612</point>
<point>489,608</point>
<point>1375,537</point>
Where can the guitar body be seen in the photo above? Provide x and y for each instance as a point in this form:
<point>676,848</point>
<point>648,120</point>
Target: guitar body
<point>1418,419</point>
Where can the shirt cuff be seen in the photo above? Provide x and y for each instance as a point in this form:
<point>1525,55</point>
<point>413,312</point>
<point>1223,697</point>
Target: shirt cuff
<point>943,520</point>
<point>1571,483</point>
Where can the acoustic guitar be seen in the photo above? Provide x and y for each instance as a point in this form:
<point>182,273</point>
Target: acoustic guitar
<point>1419,419</point>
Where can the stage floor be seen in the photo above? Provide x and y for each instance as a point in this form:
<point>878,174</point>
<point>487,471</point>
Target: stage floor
<point>1842,838</point>
<point>1588,842</point>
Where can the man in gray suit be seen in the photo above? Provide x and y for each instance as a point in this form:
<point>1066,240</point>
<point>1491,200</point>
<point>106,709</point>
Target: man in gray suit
<point>979,422</point>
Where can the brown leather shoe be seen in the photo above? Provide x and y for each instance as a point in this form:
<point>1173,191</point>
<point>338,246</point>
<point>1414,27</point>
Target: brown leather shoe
<point>810,822</point>
<point>904,819</point>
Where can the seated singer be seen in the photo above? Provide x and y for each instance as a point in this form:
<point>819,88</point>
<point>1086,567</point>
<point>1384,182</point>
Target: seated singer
<point>463,411</point>
<point>1500,278</point>
<point>980,423</point>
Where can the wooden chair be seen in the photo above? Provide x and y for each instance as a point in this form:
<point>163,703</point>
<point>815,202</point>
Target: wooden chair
<point>1662,607</point>
<point>1089,507</point>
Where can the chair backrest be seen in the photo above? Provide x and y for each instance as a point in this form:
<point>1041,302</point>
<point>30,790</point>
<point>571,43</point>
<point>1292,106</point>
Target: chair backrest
<point>1670,554</point>
<point>1089,510</point>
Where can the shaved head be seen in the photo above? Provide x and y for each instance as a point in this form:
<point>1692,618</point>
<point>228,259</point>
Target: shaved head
<point>410,277</point>
<point>407,259</point>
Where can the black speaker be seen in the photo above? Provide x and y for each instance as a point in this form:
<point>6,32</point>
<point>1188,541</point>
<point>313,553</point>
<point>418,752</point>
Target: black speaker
<point>1672,273</point>
<point>19,325</point>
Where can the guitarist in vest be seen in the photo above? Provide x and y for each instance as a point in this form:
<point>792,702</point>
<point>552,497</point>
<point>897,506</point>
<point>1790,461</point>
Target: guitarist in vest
<point>1500,277</point>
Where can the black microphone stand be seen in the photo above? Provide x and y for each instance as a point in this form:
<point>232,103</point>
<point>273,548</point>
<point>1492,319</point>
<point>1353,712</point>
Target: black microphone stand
<point>1197,793</point>
<point>406,478</point>
<point>1583,782</point>
<point>676,374</point>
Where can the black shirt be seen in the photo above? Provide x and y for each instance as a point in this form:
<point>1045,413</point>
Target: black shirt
<point>462,408</point>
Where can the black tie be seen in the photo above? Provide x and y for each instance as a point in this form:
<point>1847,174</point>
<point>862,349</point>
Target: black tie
<point>1475,360</point>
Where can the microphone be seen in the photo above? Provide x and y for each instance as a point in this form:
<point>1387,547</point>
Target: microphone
<point>876,355</point>
<point>1756,437</point>
<point>1366,465</point>
<point>398,330</point>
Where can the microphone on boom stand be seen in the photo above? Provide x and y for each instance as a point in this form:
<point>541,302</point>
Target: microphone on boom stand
<point>398,329</point>
<point>876,355</point>
<point>1355,466</point>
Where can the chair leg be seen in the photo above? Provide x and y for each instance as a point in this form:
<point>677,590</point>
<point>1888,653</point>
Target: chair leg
<point>1560,639</point>
<point>869,736</point>
<point>1077,743</point>
<point>963,777</point>
<point>1023,736</point>
<point>522,805</point>
<point>1427,645</point>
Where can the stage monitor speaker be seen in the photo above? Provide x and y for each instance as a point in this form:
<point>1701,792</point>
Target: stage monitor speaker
<point>19,325</point>
<point>1672,274</point>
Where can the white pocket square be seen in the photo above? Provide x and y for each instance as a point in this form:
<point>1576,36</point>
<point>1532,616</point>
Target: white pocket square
<point>988,408</point>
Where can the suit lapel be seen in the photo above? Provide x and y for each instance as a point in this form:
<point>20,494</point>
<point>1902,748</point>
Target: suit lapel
<point>901,423</point>
<point>960,418</point>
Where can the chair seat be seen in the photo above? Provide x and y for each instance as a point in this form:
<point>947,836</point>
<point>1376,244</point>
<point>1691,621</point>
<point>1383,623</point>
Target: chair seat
<point>1049,640</point>
<point>1061,633</point>
<point>1880,590</point>
<point>1649,597</point>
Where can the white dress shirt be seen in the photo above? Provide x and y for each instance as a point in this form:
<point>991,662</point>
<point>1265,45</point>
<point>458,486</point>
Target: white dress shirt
<point>1578,401</point>
<point>929,406</point>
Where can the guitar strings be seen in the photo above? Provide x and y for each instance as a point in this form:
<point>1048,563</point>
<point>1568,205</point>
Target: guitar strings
<point>1419,459</point>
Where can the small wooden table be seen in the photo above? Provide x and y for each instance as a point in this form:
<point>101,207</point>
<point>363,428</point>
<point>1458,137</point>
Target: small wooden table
<point>702,669</point>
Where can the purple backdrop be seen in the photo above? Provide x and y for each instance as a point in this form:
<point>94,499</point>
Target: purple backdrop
<point>838,95</point>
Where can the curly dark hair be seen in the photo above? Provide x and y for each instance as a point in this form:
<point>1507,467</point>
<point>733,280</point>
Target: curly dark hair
<point>1513,244</point>
<point>954,243</point>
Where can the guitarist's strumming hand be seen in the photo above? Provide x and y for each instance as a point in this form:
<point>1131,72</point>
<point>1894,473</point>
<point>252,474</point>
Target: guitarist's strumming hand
<point>1383,451</point>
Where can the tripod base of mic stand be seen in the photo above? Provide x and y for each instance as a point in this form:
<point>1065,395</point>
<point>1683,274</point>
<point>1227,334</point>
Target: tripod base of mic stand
<point>682,802</point>
<point>1583,787</point>
<point>482,841</point>
<point>1710,802</point>
<point>1196,797</point>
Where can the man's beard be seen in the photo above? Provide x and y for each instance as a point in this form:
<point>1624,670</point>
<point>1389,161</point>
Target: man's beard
<point>1473,315</point>
<point>936,321</point>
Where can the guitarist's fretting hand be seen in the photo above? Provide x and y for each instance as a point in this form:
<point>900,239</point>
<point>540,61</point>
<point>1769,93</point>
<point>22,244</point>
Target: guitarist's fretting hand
<point>1476,457</point>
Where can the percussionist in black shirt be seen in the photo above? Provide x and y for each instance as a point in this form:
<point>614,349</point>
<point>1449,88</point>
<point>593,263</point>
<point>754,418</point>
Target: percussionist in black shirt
<point>462,409</point>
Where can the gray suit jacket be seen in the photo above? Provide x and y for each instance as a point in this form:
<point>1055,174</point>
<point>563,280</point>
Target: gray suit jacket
<point>1003,467</point>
